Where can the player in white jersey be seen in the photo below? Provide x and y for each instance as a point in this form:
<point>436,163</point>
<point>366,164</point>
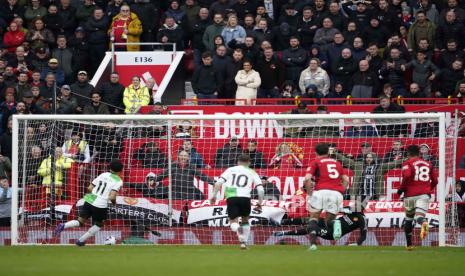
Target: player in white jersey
<point>104,188</point>
<point>239,181</point>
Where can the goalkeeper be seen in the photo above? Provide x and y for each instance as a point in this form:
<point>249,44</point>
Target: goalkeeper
<point>350,222</point>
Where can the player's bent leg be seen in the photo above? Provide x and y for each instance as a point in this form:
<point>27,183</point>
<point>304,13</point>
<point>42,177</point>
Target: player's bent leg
<point>70,224</point>
<point>313,229</point>
<point>90,233</point>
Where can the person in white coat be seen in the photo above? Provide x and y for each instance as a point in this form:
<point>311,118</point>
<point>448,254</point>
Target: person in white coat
<point>248,81</point>
<point>315,75</point>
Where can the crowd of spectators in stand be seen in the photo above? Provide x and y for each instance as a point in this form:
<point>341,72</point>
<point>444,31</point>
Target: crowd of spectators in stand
<point>239,49</point>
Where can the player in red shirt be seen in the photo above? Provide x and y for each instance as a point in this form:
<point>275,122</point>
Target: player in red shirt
<point>325,183</point>
<point>418,181</point>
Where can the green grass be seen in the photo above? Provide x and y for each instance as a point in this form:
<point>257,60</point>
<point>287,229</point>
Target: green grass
<point>229,260</point>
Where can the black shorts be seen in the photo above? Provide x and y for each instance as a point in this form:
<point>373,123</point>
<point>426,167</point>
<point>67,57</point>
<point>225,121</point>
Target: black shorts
<point>238,207</point>
<point>97,214</point>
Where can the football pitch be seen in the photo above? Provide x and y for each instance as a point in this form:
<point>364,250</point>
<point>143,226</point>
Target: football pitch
<point>229,260</point>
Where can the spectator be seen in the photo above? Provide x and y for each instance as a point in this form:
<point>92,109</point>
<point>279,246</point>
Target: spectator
<point>358,50</point>
<point>425,154</point>
<point>306,27</point>
<point>462,162</point>
<point>271,191</point>
<point>150,155</point>
<point>288,90</point>
<point>262,32</point>
<point>368,179</point>
<point>54,21</point>
<point>62,164</point>
<point>424,72</point>
<point>447,56</point>
<point>321,130</point>
<point>38,36</point>
<point>68,102</point>
<point>182,183</point>
<point>429,9</point>
<point>451,29</point>
<point>230,87</point>
<point>315,75</point>
<point>113,8</point>
<point>135,96</point>
<point>387,16</point>
<point>452,5</point>
<point>281,34</point>
<point>11,9</point>
<point>361,129</point>
<point>79,45</point>
<point>96,106</point>
<point>315,52</point>
<point>397,152</point>
<point>192,10</point>
<point>96,28</point>
<point>325,34</point>
<point>364,82</point>
<point>149,15</point>
<point>392,71</point>
<point>334,49</point>
<point>365,148</point>
<point>125,27</point>
<point>107,143</point>
<point>256,157</point>
<point>64,55</point>
<point>76,148</point>
<point>415,92</point>
<point>360,14</point>
<point>344,69</point>
<point>427,130</point>
<point>34,159</point>
<point>6,194</point>
<point>248,81</point>
<point>112,94</point>
<point>5,155</point>
<point>14,37</point>
<point>213,31</point>
<point>227,155</point>
<point>198,28</point>
<point>375,61</point>
<point>375,33</point>
<point>22,86</point>
<point>174,10</point>
<point>337,92</point>
<point>171,32</point>
<point>82,89</point>
<point>449,78</point>
<point>39,62</point>
<point>289,16</point>
<point>295,58</point>
<point>196,159</point>
<point>421,29</point>
<point>395,42</point>
<point>285,158</point>
<point>35,10</point>
<point>68,15</point>
<point>206,81</point>
<point>459,197</point>
<point>53,68</point>
<point>84,11</point>
<point>385,106</point>
<point>233,31</point>
<point>271,69</point>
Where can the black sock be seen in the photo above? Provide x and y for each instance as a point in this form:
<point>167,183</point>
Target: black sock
<point>329,226</point>
<point>408,228</point>
<point>313,231</point>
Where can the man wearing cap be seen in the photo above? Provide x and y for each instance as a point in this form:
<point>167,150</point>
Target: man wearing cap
<point>64,56</point>
<point>53,68</point>
<point>68,102</point>
<point>40,59</point>
<point>82,89</point>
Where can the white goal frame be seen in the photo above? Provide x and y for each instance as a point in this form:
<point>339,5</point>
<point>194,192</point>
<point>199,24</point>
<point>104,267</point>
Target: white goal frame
<point>440,117</point>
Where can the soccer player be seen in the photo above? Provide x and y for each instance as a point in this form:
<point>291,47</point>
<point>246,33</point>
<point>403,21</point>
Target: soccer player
<point>418,181</point>
<point>239,181</point>
<point>326,194</point>
<point>350,222</point>
<point>104,188</point>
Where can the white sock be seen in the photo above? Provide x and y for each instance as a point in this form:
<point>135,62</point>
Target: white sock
<point>234,226</point>
<point>72,224</point>
<point>245,232</point>
<point>92,231</point>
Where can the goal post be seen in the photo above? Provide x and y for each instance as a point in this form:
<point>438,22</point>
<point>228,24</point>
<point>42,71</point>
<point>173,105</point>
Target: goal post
<point>152,147</point>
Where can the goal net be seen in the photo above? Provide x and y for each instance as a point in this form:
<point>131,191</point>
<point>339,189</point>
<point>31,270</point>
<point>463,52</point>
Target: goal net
<point>172,161</point>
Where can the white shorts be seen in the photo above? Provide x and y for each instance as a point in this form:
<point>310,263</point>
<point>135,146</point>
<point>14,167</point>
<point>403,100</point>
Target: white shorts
<point>418,203</point>
<point>327,200</point>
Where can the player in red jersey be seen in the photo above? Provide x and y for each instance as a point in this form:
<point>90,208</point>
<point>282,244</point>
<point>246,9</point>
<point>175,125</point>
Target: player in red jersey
<point>418,181</point>
<point>325,183</point>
